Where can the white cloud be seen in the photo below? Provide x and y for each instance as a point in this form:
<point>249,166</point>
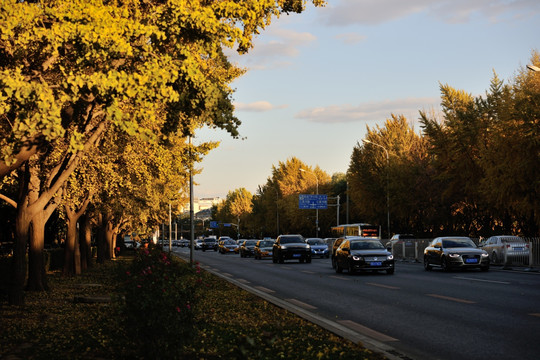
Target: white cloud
<point>257,106</point>
<point>373,111</point>
<point>279,45</point>
<point>370,12</point>
<point>351,38</point>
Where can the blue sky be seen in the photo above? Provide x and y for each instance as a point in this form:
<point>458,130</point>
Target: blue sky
<point>315,80</point>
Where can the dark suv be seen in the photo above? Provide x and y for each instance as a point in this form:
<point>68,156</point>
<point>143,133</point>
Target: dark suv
<point>289,247</point>
<point>209,244</point>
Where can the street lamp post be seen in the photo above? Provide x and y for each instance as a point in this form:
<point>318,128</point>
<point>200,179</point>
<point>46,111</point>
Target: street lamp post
<point>316,210</point>
<point>387,184</point>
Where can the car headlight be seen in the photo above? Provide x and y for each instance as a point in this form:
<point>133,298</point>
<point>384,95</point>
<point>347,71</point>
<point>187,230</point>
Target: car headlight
<point>453,255</point>
<point>390,257</point>
<point>356,258</point>
<point>283,247</point>
<point>485,255</point>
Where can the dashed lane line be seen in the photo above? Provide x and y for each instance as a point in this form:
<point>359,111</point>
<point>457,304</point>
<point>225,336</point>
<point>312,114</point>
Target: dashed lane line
<point>263,289</point>
<point>384,286</point>
<point>482,280</point>
<point>339,277</point>
<point>301,304</point>
<point>463,301</point>
<point>367,331</point>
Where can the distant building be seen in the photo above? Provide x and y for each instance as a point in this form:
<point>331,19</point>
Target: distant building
<point>202,205</point>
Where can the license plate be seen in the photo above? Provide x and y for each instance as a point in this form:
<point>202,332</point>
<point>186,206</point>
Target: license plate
<point>471,261</point>
<point>376,263</point>
<point>518,249</point>
<point>297,255</point>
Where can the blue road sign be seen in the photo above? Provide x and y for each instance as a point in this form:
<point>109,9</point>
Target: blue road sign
<point>312,201</point>
<point>214,225</point>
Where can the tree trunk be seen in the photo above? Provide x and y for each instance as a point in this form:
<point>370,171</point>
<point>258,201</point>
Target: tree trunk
<point>18,264</point>
<point>102,238</point>
<point>85,242</point>
<point>110,238</point>
<point>69,249</point>
<point>37,279</point>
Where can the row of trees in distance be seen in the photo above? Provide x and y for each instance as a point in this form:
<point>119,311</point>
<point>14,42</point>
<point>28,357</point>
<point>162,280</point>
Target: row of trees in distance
<point>473,170</point>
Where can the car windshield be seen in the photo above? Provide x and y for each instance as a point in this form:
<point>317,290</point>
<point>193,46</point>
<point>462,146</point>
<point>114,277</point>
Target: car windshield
<point>366,245</point>
<point>268,243</point>
<point>209,240</point>
<point>229,242</point>
<point>315,242</point>
<point>250,243</point>
<point>291,240</point>
<point>458,243</point>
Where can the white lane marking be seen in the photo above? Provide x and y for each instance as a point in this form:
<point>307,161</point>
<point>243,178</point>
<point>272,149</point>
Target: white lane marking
<point>451,299</point>
<point>301,304</point>
<point>482,280</point>
<point>226,274</point>
<point>339,277</point>
<point>384,286</point>
<point>243,281</point>
<point>266,290</point>
<point>308,272</point>
<point>367,331</point>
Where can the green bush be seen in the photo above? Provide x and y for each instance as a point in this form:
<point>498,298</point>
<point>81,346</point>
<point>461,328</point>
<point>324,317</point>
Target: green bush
<point>157,298</point>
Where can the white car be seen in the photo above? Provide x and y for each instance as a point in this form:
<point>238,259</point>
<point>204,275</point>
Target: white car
<point>515,248</point>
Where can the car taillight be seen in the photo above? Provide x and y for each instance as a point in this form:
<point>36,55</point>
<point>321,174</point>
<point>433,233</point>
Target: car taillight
<point>527,246</point>
<point>508,246</point>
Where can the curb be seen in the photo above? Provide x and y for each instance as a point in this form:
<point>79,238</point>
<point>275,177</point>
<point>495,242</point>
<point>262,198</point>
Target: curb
<point>332,326</point>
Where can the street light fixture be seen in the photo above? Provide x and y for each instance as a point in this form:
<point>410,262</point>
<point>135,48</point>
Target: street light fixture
<point>317,210</point>
<point>533,68</point>
<point>387,183</point>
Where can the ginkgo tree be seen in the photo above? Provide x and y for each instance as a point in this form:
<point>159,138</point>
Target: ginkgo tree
<point>71,71</point>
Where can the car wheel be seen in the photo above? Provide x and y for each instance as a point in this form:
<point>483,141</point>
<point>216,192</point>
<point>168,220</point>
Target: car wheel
<point>390,271</point>
<point>351,269</point>
<point>308,260</point>
<point>339,269</point>
<point>203,249</point>
<point>444,264</point>
<point>427,267</point>
<point>274,259</point>
<point>494,258</point>
<point>280,259</point>
<point>333,263</point>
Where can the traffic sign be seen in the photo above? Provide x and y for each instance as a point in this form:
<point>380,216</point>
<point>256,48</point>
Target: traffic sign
<point>306,201</point>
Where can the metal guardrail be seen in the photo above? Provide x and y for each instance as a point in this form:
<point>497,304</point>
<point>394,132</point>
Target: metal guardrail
<point>413,249</point>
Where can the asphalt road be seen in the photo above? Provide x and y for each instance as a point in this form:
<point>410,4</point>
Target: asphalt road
<point>419,314</point>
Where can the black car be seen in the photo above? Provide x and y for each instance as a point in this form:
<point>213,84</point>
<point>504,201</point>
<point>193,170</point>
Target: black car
<point>247,248</point>
<point>209,244</point>
<point>453,252</point>
<point>291,247</point>
<point>360,254</point>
